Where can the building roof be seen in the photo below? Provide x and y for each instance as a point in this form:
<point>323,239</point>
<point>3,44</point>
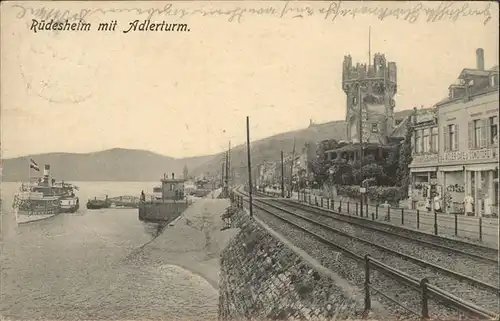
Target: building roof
<point>473,72</point>
<point>485,91</point>
<point>173,180</point>
<point>400,129</point>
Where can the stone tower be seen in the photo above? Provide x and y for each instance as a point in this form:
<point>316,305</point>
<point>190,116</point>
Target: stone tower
<point>378,83</point>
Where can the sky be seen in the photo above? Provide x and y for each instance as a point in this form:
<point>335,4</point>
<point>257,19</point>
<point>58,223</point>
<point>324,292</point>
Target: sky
<point>188,93</point>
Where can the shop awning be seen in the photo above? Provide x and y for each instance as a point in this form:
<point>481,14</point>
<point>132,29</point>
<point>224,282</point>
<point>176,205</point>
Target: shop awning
<point>481,167</point>
<point>422,169</point>
<point>451,168</point>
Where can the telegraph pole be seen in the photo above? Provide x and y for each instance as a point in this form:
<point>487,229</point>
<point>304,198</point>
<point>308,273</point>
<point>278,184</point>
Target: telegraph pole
<point>249,169</point>
<point>360,146</point>
<point>282,177</point>
<point>229,176</point>
<point>226,186</point>
<point>222,176</point>
<point>291,167</point>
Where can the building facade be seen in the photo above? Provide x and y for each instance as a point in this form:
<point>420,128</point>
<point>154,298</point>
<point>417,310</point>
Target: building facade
<point>425,154</point>
<point>464,165</point>
<point>172,189</point>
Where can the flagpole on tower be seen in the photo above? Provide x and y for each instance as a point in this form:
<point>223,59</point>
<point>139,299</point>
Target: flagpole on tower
<point>369,46</point>
<point>29,181</point>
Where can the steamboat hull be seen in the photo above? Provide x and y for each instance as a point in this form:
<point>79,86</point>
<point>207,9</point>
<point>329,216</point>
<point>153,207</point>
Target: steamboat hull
<point>25,216</point>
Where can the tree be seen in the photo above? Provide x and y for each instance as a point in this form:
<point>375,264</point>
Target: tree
<point>185,171</point>
<point>319,168</point>
<point>405,158</point>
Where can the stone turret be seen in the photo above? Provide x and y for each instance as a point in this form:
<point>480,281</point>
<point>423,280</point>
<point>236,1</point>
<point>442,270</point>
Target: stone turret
<point>378,85</point>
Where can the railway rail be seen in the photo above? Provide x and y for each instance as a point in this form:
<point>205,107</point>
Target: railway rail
<point>458,260</point>
<point>473,249</point>
<point>473,296</point>
<point>477,251</point>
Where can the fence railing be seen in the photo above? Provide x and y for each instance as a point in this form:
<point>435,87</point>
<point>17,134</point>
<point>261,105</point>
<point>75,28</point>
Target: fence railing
<point>475,228</point>
<point>426,290</point>
<point>422,287</point>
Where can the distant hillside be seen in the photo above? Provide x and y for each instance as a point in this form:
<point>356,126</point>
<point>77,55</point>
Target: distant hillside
<point>268,149</point>
<point>139,165</point>
<point>109,165</point>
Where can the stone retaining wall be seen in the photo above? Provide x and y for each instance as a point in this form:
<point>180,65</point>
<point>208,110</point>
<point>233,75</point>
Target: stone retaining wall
<point>261,278</point>
<point>163,212</point>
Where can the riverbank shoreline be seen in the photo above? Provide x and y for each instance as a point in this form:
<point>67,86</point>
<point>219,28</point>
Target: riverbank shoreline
<point>194,240</point>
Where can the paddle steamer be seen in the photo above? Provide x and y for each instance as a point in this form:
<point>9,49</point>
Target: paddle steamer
<point>44,198</point>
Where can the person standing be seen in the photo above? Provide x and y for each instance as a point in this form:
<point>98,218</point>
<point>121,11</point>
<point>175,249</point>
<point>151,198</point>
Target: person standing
<point>468,205</point>
<point>437,203</point>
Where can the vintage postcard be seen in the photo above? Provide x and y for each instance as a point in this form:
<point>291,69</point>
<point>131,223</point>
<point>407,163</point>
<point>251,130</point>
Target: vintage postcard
<point>249,160</point>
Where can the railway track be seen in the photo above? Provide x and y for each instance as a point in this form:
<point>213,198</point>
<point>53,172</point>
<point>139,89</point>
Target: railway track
<point>477,251</point>
<point>452,258</point>
<point>348,237</point>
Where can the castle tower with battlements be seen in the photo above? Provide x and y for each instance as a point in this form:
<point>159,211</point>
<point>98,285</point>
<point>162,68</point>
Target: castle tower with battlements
<point>378,85</point>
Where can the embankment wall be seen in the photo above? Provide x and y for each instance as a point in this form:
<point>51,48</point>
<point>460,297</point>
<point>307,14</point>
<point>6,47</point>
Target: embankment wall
<point>161,211</point>
<point>262,278</point>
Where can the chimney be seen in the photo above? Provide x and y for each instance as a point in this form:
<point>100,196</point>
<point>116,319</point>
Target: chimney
<point>480,59</point>
<point>46,174</point>
<point>173,177</point>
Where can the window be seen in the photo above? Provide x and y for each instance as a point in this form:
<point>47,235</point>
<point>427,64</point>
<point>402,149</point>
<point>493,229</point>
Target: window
<point>477,133</point>
<point>479,130</point>
<point>493,124</point>
<point>374,128</point>
<point>172,187</point>
<point>426,140</point>
<point>452,137</point>
<point>434,140</point>
<point>418,141</point>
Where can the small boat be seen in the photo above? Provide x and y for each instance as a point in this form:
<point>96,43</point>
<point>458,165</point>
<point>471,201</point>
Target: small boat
<point>69,202</point>
<point>70,205</point>
<point>97,204</point>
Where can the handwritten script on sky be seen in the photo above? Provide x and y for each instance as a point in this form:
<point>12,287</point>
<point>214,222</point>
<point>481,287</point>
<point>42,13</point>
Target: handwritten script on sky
<point>409,12</point>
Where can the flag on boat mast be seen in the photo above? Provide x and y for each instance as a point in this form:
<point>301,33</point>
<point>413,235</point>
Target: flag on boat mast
<point>34,165</point>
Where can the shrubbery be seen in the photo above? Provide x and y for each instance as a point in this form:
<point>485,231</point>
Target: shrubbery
<point>386,179</point>
<point>378,194</point>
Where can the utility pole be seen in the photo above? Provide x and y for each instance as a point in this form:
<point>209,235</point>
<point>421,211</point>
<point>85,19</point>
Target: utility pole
<point>249,169</point>
<point>229,174</point>
<point>361,147</point>
<point>291,168</point>
<point>222,176</point>
<point>282,177</point>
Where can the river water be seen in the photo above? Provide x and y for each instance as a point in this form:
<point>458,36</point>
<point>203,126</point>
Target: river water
<point>82,266</point>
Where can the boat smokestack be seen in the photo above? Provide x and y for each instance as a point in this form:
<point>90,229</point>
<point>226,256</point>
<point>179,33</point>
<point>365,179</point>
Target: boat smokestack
<point>173,176</point>
<point>46,174</point>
